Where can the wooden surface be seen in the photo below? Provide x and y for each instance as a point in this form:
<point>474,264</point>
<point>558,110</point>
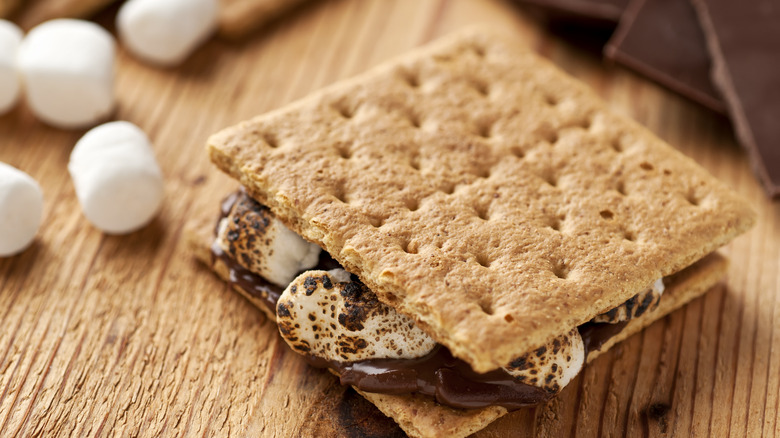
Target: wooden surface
<point>129,336</point>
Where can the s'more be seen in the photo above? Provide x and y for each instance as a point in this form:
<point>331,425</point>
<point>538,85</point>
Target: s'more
<point>458,232</point>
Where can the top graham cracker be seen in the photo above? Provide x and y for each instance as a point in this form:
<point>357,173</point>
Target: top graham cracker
<point>475,187</point>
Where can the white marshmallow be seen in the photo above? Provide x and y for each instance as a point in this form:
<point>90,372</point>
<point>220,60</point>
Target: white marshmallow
<point>68,69</point>
<point>259,242</point>
<point>166,32</point>
<point>118,181</point>
<point>343,321</point>
<point>552,366</point>
<point>21,208</point>
<point>10,82</point>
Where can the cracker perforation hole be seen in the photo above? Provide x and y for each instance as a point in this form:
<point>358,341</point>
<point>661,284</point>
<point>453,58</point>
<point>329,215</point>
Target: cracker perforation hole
<point>340,193</point>
<point>482,212</point>
<point>693,199</point>
<point>560,269</point>
<point>667,172</point>
<point>414,119</point>
<point>646,166</point>
<point>414,162</point>
<point>377,222</point>
<point>486,306</point>
<point>620,187</point>
<point>411,78</point>
<point>408,246</point>
<point>629,235</point>
<point>448,187</point>
<point>481,87</point>
<point>346,111</point>
<point>556,222</point>
<point>478,50</point>
<point>484,129</point>
<point>344,151</point>
<point>607,214</point>
<point>586,123</point>
<point>483,260</point>
<point>483,172</point>
<point>271,140</point>
<point>617,144</point>
<point>412,204</point>
<point>551,100</point>
<point>550,178</point>
<point>509,318</point>
<point>517,151</point>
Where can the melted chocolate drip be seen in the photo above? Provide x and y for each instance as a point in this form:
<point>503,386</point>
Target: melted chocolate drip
<point>439,374</point>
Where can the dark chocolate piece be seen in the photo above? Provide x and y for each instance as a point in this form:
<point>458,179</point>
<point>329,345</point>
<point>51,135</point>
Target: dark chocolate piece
<point>743,38</point>
<point>662,40</point>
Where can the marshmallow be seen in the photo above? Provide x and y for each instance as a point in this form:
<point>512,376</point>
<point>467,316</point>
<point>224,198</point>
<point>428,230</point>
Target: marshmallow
<point>635,306</point>
<point>10,83</point>
<point>552,366</point>
<point>118,181</point>
<point>166,32</point>
<point>259,242</point>
<point>68,69</point>
<point>343,321</point>
<point>21,208</point>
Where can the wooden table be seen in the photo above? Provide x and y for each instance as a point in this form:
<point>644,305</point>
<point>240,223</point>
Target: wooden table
<point>129,336</point>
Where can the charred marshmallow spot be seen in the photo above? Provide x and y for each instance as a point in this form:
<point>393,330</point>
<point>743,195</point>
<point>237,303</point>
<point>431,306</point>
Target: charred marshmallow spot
<point>636,306</point>
<point>552,366</point>
<point>327,315</point>
<point>259,242</point>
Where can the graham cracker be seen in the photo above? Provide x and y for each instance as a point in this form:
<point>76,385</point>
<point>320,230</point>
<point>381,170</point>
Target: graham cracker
<point>239,18</point>
<point>480,190</point>
<point>419,415</point>
<point>38,11</point>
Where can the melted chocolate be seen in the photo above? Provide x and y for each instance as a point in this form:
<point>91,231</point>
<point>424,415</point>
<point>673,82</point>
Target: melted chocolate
<point>439,374</point>
<point>596,334</point>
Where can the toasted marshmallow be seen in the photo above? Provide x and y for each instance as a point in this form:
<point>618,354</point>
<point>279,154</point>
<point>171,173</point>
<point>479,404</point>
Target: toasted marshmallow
<point>259,242</point>
<point>635,306</point>
<point>343,321</point>
<point>21,208</point>
<point>552,366</point>
<point>118,181</point>
<point>68,70</point>
<point>166,32</point>
<point>10,82</point>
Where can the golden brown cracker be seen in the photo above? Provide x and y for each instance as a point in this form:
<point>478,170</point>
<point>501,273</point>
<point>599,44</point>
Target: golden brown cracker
<point>480,190</point>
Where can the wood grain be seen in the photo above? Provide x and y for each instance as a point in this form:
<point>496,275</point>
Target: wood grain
<point>129,336</point>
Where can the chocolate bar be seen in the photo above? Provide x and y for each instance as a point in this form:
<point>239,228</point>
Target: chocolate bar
<point>663,40</point>
<point>744,41</point>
